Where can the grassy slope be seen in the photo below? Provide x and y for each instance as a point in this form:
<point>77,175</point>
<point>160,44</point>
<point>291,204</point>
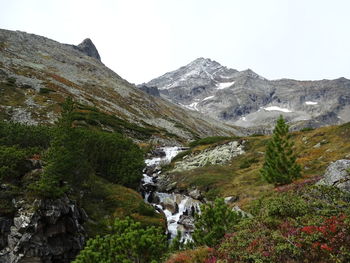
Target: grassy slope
<point>241,177</point>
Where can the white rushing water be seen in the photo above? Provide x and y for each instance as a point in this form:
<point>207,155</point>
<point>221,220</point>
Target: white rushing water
<point>178,208</point>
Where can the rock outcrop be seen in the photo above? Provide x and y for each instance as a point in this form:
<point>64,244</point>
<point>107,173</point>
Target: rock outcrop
<point>213,156</point>
<point>149,90</point>
<point>338,175</point>
<point>88,48</point>
<point>42,231</point>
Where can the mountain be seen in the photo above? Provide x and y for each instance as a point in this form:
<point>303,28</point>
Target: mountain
<point>246,99</point>
<point>37,74</point>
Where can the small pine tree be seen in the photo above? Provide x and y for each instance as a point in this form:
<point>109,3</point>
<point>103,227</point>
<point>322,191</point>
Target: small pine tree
<point>213,222</point>
<point>280,165</point>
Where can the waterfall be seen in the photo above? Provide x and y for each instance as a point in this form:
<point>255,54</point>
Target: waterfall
<point>179,209</point>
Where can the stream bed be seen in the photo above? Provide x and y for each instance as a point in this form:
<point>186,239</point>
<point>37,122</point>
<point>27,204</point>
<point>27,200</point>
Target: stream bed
<point>179,209</point>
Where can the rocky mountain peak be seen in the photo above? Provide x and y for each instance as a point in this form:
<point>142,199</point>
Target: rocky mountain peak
<point>88,48</point>
<point>203,62</point>
<point>204,65</point>
<point>246,99</point>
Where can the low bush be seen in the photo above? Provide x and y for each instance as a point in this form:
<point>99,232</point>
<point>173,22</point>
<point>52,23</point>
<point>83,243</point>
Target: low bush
<point>213,222</point>
<point>307,129</point>
<point>210,140</point>
<point>24,136</point>
<point>202,254</point>
<point>307,225</point>
<point>45,90</point>
<point>129,242</point>
<point>248,162</point>
<point>12,163</point>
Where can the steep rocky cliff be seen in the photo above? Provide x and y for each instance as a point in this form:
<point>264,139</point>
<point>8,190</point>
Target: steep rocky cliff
<point>42,231</point>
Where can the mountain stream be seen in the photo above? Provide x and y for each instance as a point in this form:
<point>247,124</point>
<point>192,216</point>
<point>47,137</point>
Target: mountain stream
<point>179,209</point>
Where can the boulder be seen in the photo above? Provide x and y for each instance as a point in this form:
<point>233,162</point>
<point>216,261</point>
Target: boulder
<point>170,205</point>
<point>231,199</point>
<point>195,194</point>
<point>187,222</point>
<point>337,174</point>
<point>237,209</point>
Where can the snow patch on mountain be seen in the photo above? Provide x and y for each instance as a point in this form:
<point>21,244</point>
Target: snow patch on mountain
<point>311,102</point>
<point>208,98</point>
<point>276,108</point>
<point>192,106</point>
<point>224,85</point>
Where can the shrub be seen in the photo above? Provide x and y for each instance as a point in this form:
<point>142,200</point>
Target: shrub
<point>24,136</point>
<point>210,140</point>
<point>248,162</point>
<point>202,254</point>
<point>307,129</point>
<point>46,90</point>
<point>12,163</point>
<point>309,225</point>
<point>129,242</point>
<point>113,157</point>
<point>213,222</point>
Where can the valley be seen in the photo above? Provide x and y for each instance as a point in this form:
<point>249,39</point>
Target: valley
<point>96,169</point>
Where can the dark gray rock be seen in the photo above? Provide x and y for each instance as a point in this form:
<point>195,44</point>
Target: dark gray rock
<point>187,221</point>
<point>88,48</point>
<point>43,231</point>
<point>337,174</point>
<point>149,90</point>
<point>5,227</point>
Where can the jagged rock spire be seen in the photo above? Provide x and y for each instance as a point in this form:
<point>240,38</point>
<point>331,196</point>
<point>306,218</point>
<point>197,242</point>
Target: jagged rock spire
<point>88,48</point>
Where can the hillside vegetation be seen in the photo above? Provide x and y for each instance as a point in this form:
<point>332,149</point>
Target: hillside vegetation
<point>99,170</point>
<point>297,222</point>
<point>240,177</point>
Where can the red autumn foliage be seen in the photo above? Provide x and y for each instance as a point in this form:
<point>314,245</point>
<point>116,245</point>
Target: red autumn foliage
<point>298,185</point>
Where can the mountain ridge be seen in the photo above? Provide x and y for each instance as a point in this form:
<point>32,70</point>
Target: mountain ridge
<point>37,73</point>
<point>244,98</point>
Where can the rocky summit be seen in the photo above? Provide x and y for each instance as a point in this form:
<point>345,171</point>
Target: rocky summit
<point>246,99</point>
<point>89,49</point>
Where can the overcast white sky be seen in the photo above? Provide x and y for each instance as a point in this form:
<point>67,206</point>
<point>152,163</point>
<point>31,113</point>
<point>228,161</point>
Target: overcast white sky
<point>143,39</point>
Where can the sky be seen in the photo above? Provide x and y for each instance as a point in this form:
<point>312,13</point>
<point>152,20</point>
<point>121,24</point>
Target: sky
<point>143,39</point>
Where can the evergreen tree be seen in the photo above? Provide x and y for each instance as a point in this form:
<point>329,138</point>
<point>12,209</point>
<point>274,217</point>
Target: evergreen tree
<point>280,165</point>
<point>65,160</point>
<point>214,221</point>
